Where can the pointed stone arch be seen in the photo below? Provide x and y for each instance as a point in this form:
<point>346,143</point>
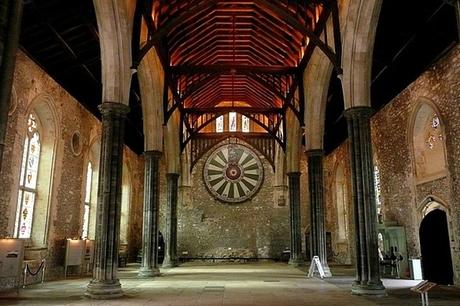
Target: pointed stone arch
<point>151,82</point>
<point>93,156</point>
<point>115,24</point>
<point>359,31</point>
<point>427,140</point>
<point>43,107</point>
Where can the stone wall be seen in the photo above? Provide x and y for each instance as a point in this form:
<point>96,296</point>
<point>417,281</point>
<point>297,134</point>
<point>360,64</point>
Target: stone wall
<point>257,228</point>
<point>62,218</point>
<point>342,251</point>
<point>392,136</point>
<point>402,198</point>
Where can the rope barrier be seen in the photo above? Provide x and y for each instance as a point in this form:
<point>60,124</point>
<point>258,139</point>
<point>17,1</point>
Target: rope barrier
<point>28,271</point>
<point>42,265</point>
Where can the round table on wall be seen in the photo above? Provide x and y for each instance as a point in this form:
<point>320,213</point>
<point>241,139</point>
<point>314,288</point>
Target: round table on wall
<point>233,173</point>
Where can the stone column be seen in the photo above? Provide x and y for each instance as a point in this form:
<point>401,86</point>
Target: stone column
<point>365,210</point>
<point>456,3</point>
<point>105,283</point>
<point>10,26</point>
<point>149,267</point>
<point>294,218</point>
<point>315,185</point>
<point>170,259</point>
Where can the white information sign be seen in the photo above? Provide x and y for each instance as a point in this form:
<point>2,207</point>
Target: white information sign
<point>75,253</point>
<point>316,266</point>
<point>89,251</point>
<point>11,257</point>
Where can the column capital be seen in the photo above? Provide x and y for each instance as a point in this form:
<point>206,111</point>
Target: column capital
<point>293,174</point>
<point>315,152</point>
<point>115,108</point>
<point>172,175</point>
<point>358,112</point>
<point>153,153</point>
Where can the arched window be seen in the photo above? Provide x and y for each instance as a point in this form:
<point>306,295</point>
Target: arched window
<point>35,181</point>
<point>125,204</point>
<point>87,201</point>
<point>244,124</point>
<point>93,156</point>
<point>220,124</point>
<point>428,144</point>
<point>341,204</point>
<point>377,188</point>
<point>232,122</point>
<point>28,180</point>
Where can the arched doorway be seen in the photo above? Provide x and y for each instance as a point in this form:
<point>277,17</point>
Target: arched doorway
<point>435,247</point>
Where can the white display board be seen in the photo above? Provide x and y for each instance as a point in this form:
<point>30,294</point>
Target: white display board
<point>11,257</point>
<point>75,252</point>
<point>416,269</point>
<point>316,266</point>
<point>89,251</point>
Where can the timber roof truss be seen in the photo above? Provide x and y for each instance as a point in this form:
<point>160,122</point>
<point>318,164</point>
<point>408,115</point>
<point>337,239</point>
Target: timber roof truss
<point>250,52</point>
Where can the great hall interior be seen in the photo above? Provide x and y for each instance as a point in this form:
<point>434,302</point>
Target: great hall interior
<point>229,152</point>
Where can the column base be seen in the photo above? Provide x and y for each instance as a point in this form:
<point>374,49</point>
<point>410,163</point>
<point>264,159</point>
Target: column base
<point>104,290</point>
<point>327,271</point>
<point>298,262</point>
<point>148,272</point>
<point>368,289</point>
<point>169,263</point>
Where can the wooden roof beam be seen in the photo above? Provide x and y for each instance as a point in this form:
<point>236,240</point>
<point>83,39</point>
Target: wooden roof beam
<point>237,69</point>
<point>293,22</point>
<point>163,30</point>
<point>251,110</point>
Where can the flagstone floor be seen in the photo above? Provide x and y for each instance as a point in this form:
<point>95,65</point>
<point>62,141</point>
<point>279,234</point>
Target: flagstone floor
<point>229,284</point>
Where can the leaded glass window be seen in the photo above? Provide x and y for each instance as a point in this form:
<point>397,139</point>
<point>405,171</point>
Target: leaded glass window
<point>87,202</point>
<point>341,197</point>
<point>28,181</point>
<point>434,133</point>
<point>244,124</point>
<point>220,124</point>
<point>377,189</point>
<point>232,121</point>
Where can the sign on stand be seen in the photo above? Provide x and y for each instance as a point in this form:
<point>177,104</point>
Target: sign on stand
<point>423,288</point>
<point>316,266</point>
<point>11,257</point>
<point>74,254</point>
<point>89,255</point>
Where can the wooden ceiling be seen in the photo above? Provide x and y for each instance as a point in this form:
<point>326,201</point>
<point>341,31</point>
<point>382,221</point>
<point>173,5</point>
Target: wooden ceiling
<point>251,53</point>
<point>63,39</point>
<point>235,51</point>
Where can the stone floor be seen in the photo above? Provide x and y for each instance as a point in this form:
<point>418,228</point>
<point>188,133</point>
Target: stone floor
<point>229,284</point>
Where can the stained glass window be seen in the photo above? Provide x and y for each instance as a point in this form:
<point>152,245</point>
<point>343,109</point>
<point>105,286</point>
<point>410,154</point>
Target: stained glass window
<point>244,124</point>
<point>341,201</point>
<point>87,203</point>
<point>232,121</point>
<point>434,133</point>
<point>28,180</point>
<point>377,189</point>
<point>220,124</point>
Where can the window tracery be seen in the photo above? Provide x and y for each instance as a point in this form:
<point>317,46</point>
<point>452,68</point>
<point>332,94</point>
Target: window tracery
<point>244,124</point>
<point>434,133</point>
<point>27,193</point>
<point>428,144</point>
<point>341,204</point>
<point>220,124</point>
<point>87,202</point>
<point>378,191</point>
<point>232,121</point>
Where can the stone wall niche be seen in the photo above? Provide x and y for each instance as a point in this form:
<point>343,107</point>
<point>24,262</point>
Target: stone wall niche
<point>428,140</point>
<point>42,110</point>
